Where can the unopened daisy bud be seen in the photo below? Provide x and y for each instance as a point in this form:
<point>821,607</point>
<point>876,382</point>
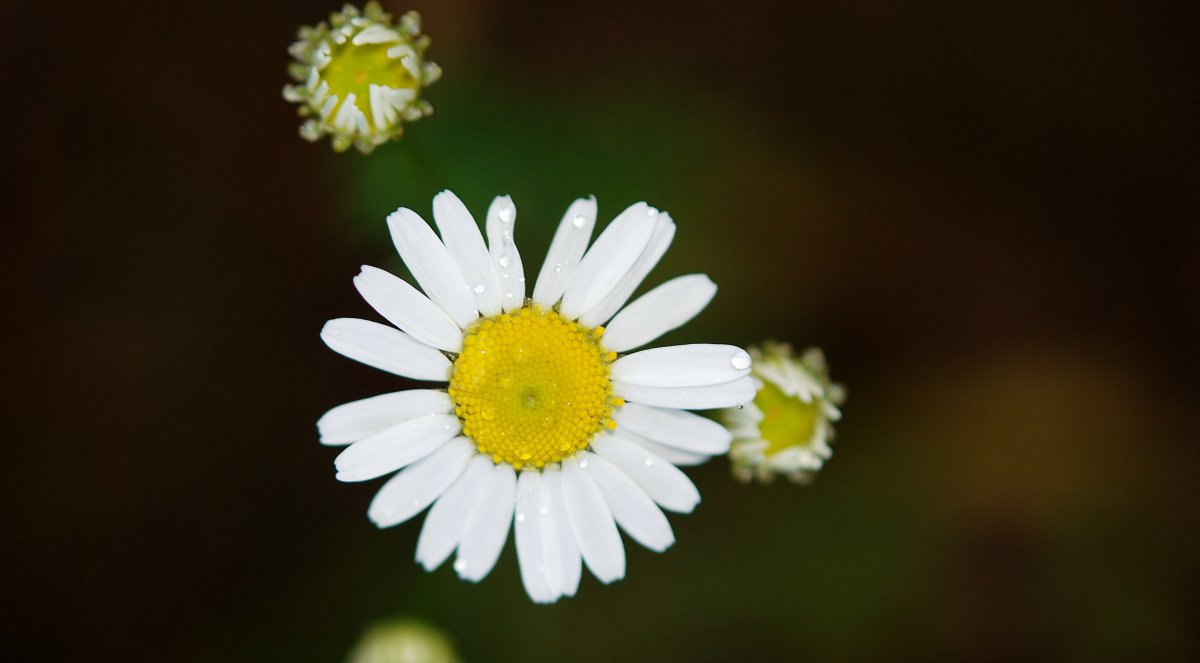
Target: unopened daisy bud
<point>359,77</point>
<point>403,641</point>
<point>787,428</point>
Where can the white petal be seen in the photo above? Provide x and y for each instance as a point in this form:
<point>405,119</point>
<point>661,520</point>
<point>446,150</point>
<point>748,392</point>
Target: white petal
<point>592,521</point>
<point>677,428</point>
<point>609,259</point>
<point>501,223</point>
<point>385,348</point>
<point>730,394</point>
<point>660,239</point>
<point>672,455</point>
<point>567,247</point>
<point>632,508</point>
<point>418,485</point>
<point>375,34</point>
<point>559,550</point>
<point>662,481</point>
<point>432,266</point>
<point>696,365</point>
<point>487,528</point>
<point>408,309</point>
<point>446,522</point>
<point>395,447</point>
<point>529,539</point>
<point>461,236</point>
<point>657,312</point>
<point>356,420</point>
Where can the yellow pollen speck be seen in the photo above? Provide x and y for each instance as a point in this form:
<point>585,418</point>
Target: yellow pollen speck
<point>532,388</point>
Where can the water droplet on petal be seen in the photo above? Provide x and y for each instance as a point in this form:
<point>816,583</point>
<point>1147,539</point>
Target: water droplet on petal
<point>479,288</point>
<point>740,361</point>
<point>460,565</point>
<point>649,461</point>
<point>579,220</point>
<point>505,261</point>
<point>545,509</point>
<point>558,267</point>
<point>520,517</point>
<point>507,214</point>
<point>583,462</point>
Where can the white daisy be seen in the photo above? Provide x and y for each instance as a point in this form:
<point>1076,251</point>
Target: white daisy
<point>787,428</point>
<point>359,77</point>
<point>543,424</point>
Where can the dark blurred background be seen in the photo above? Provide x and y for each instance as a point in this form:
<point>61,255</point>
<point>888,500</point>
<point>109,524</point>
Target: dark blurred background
<point>984,212</point>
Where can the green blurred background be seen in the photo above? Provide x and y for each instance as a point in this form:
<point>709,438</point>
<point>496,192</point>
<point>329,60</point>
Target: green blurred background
<point>985,213</point>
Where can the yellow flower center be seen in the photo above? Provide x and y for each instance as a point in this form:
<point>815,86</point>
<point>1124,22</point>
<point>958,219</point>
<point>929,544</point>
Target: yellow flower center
<point>353,69</point>
<point>787,420</point>
<point>532,388</point>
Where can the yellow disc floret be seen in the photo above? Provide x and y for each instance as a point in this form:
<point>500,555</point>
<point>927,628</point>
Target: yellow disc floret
<point>532,388</point>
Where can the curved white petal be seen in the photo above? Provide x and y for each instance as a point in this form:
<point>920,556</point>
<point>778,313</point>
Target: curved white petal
<point>405,306</point>
<point>432,266</point>
<point>567,247</point>
<point>667,307</point>
<point>696,365</point>
<point>672,455</point>
<point>592,521</point>
<point>559,550</point>
<point>730,394</point>
<point>677,428</point>
<point>356,420</point>
<point>487,527</point>
<point>662,481</point>
<point>385,348</point>
<point>501,224</point>
<point>418,485</point>
<point>530,556</point>
<point>660,239</point>
<point>444,525</point>
<point>461,236</point>
<point>608,260</point>
<point>396,447</point>
<point>632,508</point>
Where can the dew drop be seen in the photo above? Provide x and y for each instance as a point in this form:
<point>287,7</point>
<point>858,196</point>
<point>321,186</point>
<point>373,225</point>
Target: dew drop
<point>558,267</point>
<point>740,361</point>
<point>583,462</point>
<point>508,295</point>
<point>649,462</point>
<point>416,502</point>
<point>652,212</point>
<point>579,221</point>
<point>479,288</point>
<point>520,517</point>
<point>505,261</point>
<point>507,214</point>
<point>460,565</point>
<point>544,509</point>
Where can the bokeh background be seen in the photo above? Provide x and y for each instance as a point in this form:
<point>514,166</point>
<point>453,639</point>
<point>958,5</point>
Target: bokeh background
<point>984,212</point>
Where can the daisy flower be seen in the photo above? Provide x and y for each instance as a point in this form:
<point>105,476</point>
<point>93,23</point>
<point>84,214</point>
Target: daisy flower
<point>359,77</point>
<point>787,428</point>
<point>544,426</point>
<point>403,641</point>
